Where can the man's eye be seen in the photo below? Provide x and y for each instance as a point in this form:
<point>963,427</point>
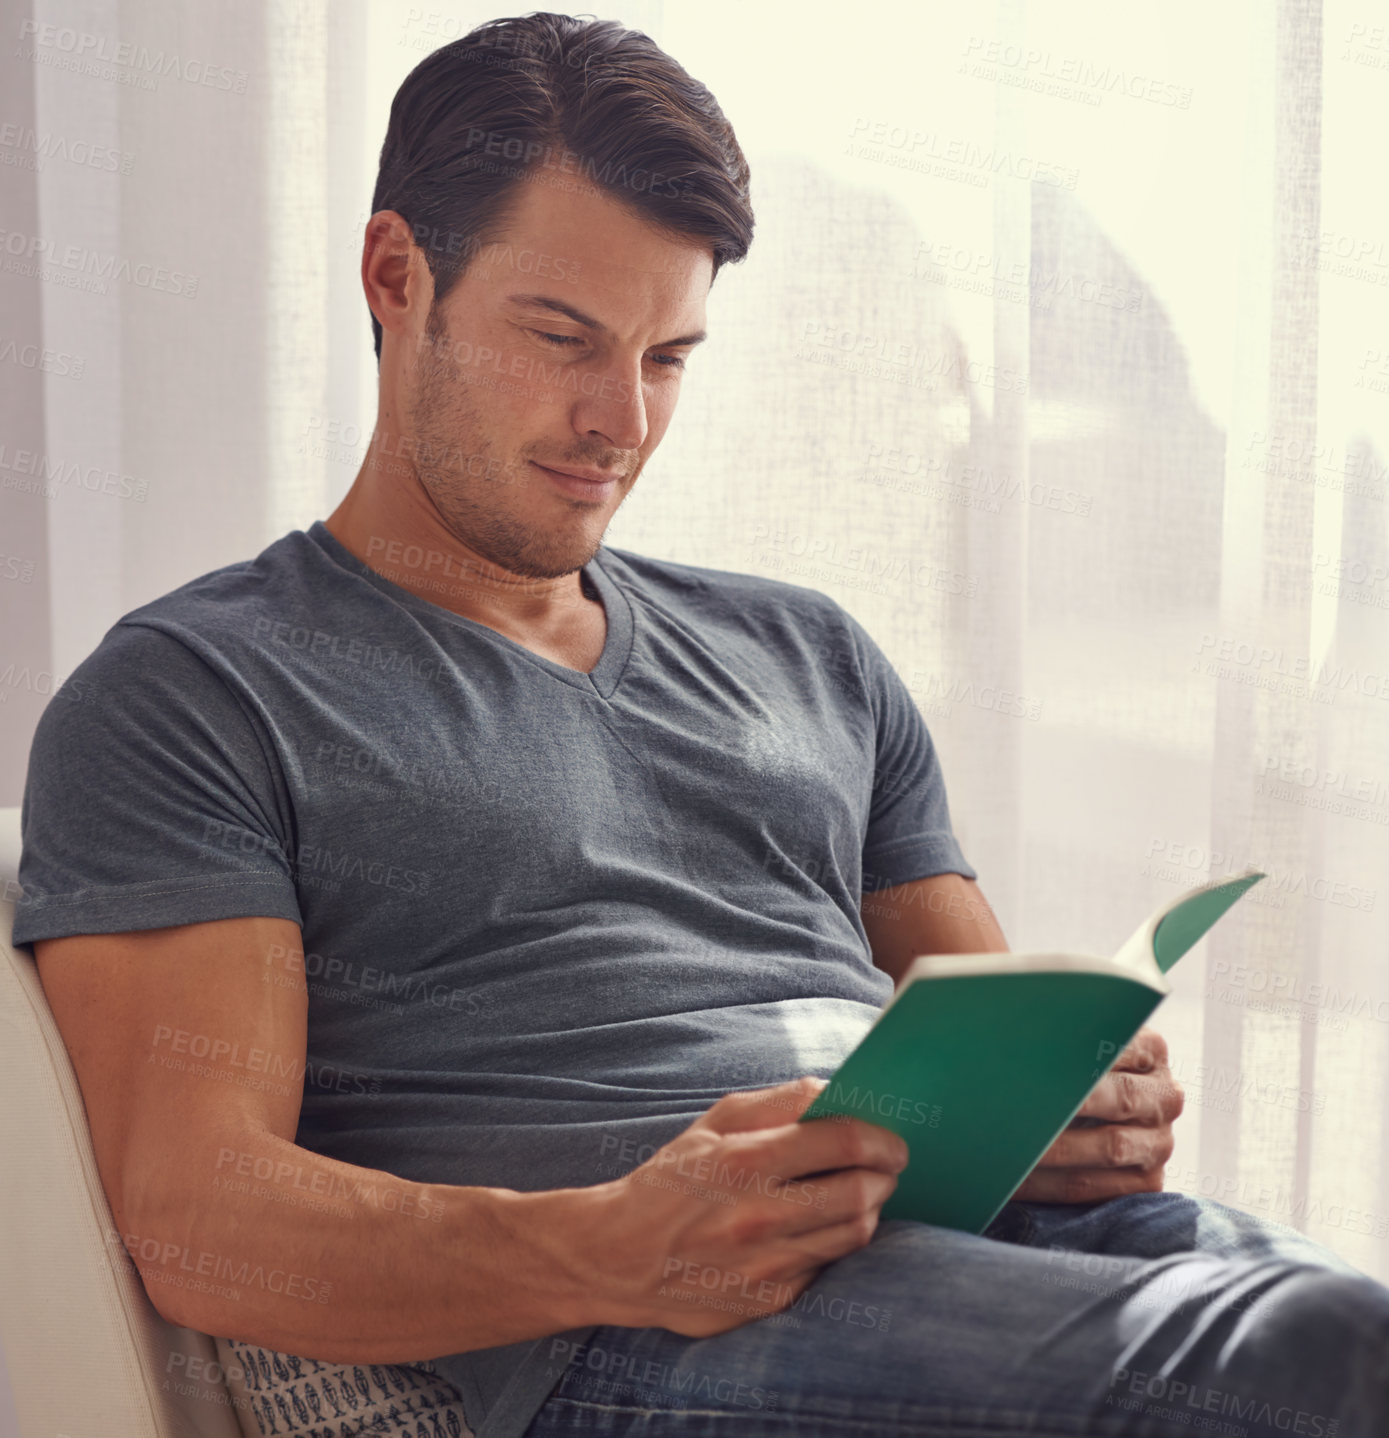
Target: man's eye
<point>664,361</point>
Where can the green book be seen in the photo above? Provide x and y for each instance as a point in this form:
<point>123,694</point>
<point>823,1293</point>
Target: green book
<point>980,1061</point>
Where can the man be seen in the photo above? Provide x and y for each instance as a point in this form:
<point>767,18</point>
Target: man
<point>448,917</point>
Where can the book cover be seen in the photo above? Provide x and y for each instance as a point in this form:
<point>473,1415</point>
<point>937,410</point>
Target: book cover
<point>981,1060</point>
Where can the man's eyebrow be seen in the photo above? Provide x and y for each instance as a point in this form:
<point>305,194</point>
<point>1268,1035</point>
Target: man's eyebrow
<point>548,302</point>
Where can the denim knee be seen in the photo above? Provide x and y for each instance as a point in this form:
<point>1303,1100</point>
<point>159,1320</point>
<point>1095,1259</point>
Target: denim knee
<point>1277,1347</point>
<point>1340,1313</point>
<point>1329,1333</point>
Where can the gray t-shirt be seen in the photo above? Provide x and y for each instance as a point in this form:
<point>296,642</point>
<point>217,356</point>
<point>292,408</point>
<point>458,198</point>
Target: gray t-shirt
<point>548,917</point>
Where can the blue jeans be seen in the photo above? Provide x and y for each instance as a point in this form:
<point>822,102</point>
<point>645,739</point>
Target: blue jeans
<point>1154,1315</point>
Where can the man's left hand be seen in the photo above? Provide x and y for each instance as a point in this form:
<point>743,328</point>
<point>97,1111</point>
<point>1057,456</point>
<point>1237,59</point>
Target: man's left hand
<point>1127,1149</point>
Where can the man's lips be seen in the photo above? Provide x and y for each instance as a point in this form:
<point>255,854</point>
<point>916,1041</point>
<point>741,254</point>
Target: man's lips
<point>581,483</point>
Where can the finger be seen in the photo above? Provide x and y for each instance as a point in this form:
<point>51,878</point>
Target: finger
<point>771,1206</point>
<point>1152,1099</point>
<point>1087,1185</point>
<point>1145,1051</point>
<point>798,1150</point>
<point>824,1245</point>
<point>1110,1146</point>
<point>746,1109</point>
<point>1126,1097</point>
<point>698,1313</point>
<point>805,1206</point>
<point>789,1265</point>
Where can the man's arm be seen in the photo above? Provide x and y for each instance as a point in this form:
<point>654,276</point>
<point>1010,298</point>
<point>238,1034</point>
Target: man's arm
<point>945,914</point>
<point>189,1046</point>
<point>1135,1103</point>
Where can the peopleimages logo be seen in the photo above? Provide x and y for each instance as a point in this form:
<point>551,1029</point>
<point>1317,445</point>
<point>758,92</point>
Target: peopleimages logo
<point>205,1264</point>
<point>1174,855</point>
<point>885,1105</point>
<point>32,356</point>
<point>30,471</point>
<point>87,52</point>
<point>1067,76</point>
<point>43,682</point>
<point>97,265</point>
<point>340,974</point>
<point>1173,1399</point>
<point>315,864</point>
<point>319,643</point>
<point>46,146</point>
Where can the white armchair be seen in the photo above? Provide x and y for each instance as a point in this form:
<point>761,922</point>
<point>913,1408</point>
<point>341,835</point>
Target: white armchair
<point>86,1350</point>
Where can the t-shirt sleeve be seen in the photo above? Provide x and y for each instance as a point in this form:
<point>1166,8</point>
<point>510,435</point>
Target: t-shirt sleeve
<point>152,798</point>
<point>909,833</point>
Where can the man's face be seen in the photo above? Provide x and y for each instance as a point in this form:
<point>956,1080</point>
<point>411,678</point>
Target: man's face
<point>499,379</point>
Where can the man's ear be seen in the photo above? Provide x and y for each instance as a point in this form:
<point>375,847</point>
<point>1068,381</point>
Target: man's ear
<point>395,276</point>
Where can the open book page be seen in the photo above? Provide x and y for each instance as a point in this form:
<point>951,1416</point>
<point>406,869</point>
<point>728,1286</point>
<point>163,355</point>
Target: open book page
<point>1163,937</point>
<point>942,966</point>
<point>1158,942</point>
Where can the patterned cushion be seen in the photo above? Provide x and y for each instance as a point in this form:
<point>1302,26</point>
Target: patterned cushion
<point>287,1397</point>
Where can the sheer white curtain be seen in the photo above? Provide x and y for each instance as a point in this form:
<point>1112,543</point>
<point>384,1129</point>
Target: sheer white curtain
<point>1061,358</point>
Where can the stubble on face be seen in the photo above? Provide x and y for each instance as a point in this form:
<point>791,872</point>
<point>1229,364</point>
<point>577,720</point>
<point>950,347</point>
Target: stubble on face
<point>478,492</point>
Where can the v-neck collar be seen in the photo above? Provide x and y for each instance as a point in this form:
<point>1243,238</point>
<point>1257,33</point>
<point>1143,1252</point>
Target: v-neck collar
<point>603,678</point>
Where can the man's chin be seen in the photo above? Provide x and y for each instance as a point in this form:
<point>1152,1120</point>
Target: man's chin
<point>519,546</point>
<point>553,562</point>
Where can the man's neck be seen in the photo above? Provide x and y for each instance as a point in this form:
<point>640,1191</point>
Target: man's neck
<point>413,549</point>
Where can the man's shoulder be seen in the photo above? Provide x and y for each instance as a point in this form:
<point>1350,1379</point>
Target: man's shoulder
<point>278,575</point>
<point>209,618</point>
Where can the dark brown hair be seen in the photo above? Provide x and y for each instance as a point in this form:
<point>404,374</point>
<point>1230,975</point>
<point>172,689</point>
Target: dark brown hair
<point>564,99</point>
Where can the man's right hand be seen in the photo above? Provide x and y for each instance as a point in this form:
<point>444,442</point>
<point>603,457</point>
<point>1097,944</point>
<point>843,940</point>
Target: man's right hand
<point>724,1224</point>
